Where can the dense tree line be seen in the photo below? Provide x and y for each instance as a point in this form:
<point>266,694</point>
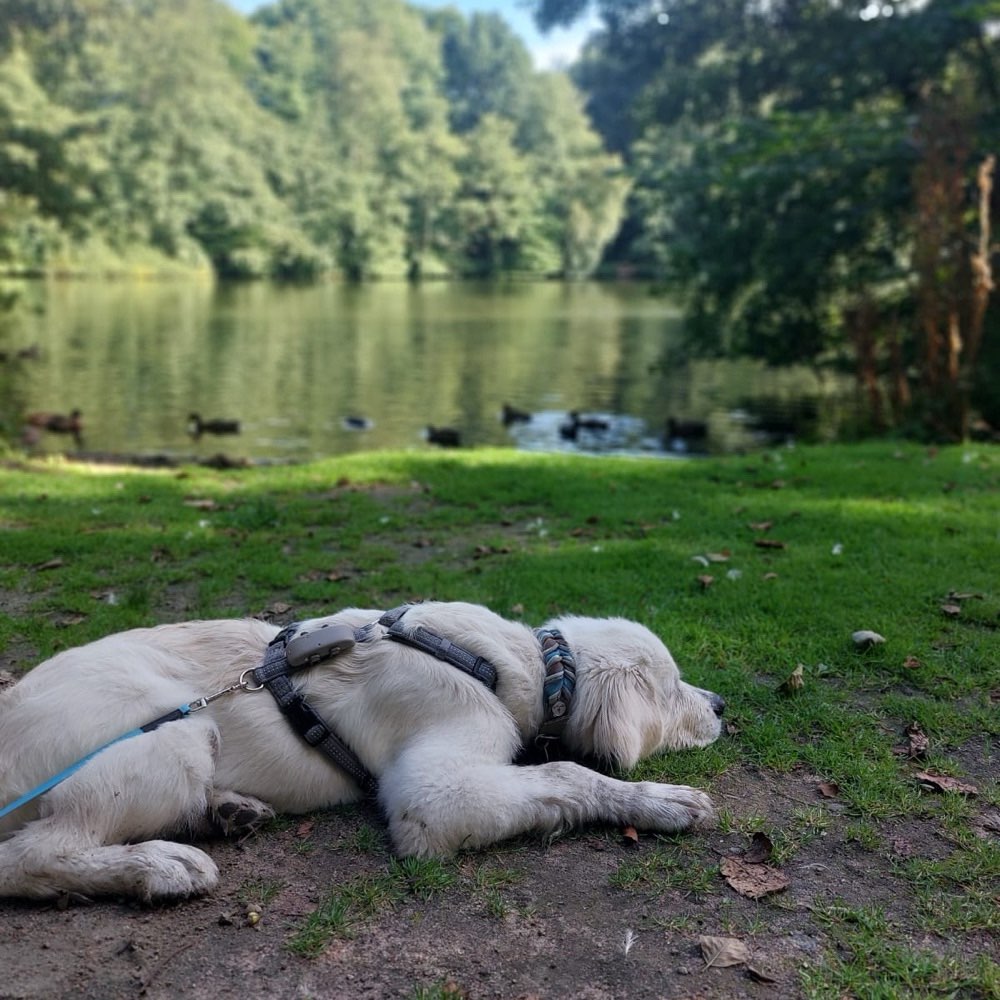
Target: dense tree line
<point>368,138</point>
<point>816,176</point>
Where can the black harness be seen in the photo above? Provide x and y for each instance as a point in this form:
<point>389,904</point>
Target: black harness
<point>296,648</point>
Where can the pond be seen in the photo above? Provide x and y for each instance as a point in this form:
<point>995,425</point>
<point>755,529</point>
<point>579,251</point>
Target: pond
<point>323,370</point>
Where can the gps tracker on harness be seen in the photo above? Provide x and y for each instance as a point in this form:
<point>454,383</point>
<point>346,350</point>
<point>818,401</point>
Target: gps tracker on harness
<point>311,643</point>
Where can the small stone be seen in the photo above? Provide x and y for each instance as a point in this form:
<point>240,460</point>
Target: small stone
<point>865,639</point>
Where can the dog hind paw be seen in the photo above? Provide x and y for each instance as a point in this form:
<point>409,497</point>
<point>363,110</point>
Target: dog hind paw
<point>238,815</point>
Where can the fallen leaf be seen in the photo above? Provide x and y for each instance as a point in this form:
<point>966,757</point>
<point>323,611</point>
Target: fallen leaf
<point>706,580</point>
<point>759,977</point>
<point>912,663</point>
<point>752,881</point>
<point>942,783</point>
<point>918,741</point>
<point>770,576</point>
<point>631,835</point>
<point>718,557</point>
<point>986,826</point>
<point>954,596</point>
<point>760,849</point>
<point>794,682</point>
<point>305,828</point>
<point>768,543</point>
<point>200,503</point>
<point>50,564</point>
<point>720,952</point>
<point>951,610</point>
<point>761,525</point>
<point>517,609</point>
<point>828,789</point>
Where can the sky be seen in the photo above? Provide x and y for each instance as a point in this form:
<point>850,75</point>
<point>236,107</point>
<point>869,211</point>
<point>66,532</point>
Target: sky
<point>555,48</point>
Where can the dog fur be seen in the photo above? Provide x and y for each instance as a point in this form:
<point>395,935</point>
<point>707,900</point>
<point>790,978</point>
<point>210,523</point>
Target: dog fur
<point>440,743</point>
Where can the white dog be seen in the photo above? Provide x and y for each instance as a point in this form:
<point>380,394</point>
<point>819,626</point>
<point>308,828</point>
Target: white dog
<point>439,741</point>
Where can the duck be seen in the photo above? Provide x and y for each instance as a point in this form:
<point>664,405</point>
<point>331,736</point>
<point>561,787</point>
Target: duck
<point>686,429</point>
<point>197,426</point>
<point>58,423</point>
<point>353,422</point>
<point>576,423</point>
<point>512,415</point>
<point>447,437</point>
<point>681,435</point>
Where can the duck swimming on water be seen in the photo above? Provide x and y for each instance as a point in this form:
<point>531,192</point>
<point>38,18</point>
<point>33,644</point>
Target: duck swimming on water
<point>58,423</point>
<point>197,426</point>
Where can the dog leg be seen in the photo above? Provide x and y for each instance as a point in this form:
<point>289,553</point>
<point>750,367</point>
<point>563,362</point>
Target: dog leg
<point>434,809</point>
<point>83,840</point>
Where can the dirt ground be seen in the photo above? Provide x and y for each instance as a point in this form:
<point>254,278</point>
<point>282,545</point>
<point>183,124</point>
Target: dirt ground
<point>556,930</point>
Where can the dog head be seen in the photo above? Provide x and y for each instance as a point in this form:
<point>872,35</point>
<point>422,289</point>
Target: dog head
<point>630,701</point>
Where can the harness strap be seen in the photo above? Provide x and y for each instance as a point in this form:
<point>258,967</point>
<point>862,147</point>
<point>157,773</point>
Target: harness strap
<point>444,649</point>
<point>273,674</point>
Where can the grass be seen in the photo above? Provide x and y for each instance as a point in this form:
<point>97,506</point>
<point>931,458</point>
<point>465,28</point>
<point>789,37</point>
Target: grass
<point>879,536</point>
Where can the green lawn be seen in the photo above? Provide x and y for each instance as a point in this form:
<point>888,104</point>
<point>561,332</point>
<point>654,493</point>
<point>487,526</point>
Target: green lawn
<point>748,567</point>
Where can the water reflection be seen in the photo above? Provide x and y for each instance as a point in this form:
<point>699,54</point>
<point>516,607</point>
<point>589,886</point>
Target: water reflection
<point>308,372</point>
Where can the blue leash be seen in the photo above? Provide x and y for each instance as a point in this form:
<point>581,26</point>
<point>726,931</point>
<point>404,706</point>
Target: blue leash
<point>182,712</point>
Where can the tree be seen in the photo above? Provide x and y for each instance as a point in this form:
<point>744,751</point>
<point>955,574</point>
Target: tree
<point>779,179</point>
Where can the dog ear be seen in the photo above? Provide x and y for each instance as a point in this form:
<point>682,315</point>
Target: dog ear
<point>613,721</point>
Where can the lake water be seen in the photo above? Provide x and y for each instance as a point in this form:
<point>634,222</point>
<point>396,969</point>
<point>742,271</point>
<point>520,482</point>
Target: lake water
<point>291,363</point>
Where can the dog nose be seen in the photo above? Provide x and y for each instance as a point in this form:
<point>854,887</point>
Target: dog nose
<point>718,704</point>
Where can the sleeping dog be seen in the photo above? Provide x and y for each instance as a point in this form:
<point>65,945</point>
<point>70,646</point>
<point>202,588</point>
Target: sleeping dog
<point>432,730</point>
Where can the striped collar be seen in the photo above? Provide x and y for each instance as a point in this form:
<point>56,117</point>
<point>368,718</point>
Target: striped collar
<point>560,681</point>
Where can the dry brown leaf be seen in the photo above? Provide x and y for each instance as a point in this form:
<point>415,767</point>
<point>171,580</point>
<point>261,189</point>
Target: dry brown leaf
<point>942,783</point>
<point>759,977</point>
<point>985,827</point>
<point>760,849</point>
<point>706,580</point>
<point>912,663</point>
<point>794,682</point>
<point>768,543</point>
<point>718,557</point>
<point>761,525</point>
<point>951,610</point>
<point>770,576</point>
<point>50,564</point>
<point>752,881</point>
<point>918,741</point>
<point>828,789</point>
<point>631,836</point>
<point>201,503</point>
<point>721,952</point>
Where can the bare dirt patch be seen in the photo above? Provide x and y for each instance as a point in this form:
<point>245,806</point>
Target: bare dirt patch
<point>526,920</point>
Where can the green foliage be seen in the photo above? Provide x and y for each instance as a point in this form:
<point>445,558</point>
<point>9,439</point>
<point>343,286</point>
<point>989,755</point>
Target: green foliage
<point>776,152</point>
<point>318,135</point>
